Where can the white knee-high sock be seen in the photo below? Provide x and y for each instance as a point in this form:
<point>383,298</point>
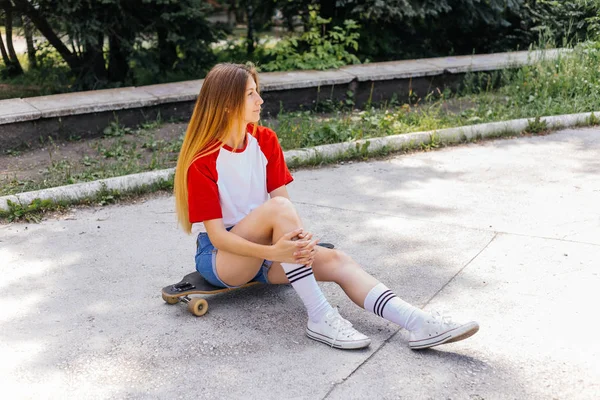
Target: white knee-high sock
<point>383,302</point>
<point>304,283</point>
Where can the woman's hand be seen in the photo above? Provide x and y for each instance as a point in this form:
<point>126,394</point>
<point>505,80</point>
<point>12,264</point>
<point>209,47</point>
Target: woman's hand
<point>295,247</point>
<point>306,254</point>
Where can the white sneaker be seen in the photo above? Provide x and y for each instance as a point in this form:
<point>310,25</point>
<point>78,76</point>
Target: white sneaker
<point>336,332</point>
<point>439,329</point>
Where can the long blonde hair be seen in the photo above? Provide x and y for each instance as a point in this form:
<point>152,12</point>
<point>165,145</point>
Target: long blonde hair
<point>219,110</point>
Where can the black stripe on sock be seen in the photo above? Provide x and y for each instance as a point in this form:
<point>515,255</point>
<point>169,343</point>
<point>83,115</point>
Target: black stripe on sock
<point>384,304</point>
<point>303,270</point>
<point>294,270</point>
<point>301,277</point>
<point>376,304</point>
<point>384,296</point>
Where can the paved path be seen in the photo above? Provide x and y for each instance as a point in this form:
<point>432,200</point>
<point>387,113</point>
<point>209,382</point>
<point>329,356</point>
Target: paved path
<point>506,232</point>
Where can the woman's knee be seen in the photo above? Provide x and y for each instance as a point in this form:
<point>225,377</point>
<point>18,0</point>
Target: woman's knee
<point>341,258</point>
<point>281,207</point>
<point>338,266</point>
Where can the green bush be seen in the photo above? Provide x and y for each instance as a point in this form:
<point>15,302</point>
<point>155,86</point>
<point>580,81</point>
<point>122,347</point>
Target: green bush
<point>561,22</point>
<point>316,48</point>
<point>401,29</point>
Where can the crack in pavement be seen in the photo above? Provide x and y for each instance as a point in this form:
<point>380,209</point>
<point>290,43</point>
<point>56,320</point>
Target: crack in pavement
<point>399,329</point>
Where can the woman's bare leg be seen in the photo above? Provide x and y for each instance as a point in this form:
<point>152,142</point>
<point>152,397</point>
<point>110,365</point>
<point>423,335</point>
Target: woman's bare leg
<point>331,265</point>
<point>362,288</point>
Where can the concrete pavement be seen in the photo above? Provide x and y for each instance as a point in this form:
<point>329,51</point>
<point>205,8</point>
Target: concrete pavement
<point>506,232</point>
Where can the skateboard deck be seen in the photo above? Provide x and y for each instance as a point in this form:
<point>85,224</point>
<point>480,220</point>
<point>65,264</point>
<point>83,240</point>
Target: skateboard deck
<point>193,283</point>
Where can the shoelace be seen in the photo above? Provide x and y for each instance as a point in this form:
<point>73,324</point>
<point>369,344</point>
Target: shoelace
<point>338,322</point>
<point>441,318</point>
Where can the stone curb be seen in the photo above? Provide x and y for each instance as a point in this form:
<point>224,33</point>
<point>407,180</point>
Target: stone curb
<point>393,143</point>
<point>446,135</point>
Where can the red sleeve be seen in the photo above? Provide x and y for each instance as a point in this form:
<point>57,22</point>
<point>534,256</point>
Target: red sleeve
<point>278,173</point>
<point>203,191</point>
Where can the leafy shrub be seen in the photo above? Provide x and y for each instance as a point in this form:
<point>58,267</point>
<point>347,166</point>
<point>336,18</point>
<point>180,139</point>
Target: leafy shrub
<point>315,48</point>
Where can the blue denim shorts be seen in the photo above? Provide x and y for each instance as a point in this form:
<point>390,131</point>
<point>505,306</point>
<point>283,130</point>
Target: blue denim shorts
<point>206,263</point>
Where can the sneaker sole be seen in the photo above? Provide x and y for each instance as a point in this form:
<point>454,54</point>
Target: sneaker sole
<point>338,344</point>
<point>451,336</point>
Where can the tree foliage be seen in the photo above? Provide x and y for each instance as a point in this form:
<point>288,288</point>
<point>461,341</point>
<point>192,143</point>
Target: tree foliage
<point>107,43</point>
<point>399,29</point>
<point>316,48</point>
<point>99,40</point>
<point>561,21</point>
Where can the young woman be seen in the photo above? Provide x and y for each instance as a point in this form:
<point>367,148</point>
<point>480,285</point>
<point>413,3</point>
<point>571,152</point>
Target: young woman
<point>230,185</point>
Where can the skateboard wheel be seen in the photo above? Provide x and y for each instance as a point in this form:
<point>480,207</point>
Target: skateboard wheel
<point>198,307</point>
<point>170,299</point>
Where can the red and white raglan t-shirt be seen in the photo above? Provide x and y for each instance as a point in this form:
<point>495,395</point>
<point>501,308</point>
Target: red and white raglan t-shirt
<point>229,184</point>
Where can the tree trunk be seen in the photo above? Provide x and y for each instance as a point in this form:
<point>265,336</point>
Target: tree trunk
<point>93,62</point>
<point>44,27</point>
<point>14,60</point>
<point>239,14</point>
<point>27,25</point>
<point>167,52</point>
<point>250,39</point>
<point>118,66</point>
<point>289,19</point>
<point>231,13</point>
<point>4,53</point>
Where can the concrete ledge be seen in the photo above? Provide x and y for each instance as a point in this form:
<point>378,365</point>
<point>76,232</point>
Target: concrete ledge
<point>17,110</point>
<point>175,92</point>
<point>490,62</point>
<point>393,70</point>
<point>271,81</point>
<point>60,105</point>
<point>300,156</point>
<point>452,65</point>
<point>29,121</point>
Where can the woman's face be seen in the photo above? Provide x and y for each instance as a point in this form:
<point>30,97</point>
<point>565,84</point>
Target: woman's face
<point>253,102</point>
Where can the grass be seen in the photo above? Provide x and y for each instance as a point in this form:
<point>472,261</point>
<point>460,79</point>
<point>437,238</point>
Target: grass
<point>569,84</point>
<point>35,210</point>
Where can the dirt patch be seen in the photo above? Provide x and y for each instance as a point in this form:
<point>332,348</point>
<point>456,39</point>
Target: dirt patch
<point>126,151</point>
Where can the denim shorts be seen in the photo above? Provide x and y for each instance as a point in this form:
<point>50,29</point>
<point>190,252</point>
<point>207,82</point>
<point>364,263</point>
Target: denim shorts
<point>206,263</point>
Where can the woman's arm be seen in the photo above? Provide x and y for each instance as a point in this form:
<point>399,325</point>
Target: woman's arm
<point>280,191</point>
